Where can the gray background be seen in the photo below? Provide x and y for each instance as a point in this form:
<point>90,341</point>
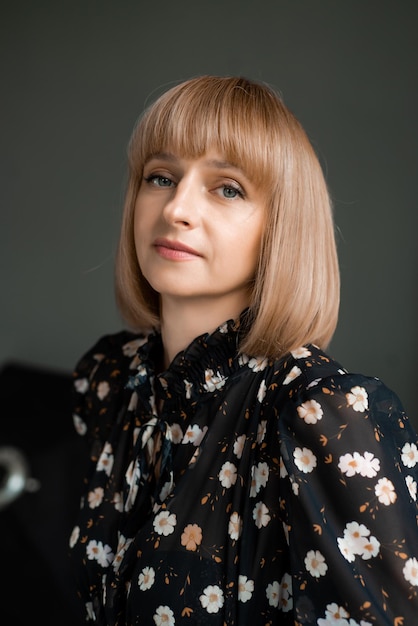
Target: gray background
<point>75,76</point>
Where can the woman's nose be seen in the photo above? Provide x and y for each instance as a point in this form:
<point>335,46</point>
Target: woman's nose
<point>183,206</point>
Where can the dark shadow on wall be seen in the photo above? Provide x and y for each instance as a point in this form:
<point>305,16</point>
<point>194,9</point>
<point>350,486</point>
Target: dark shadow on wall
<point>35,524</point>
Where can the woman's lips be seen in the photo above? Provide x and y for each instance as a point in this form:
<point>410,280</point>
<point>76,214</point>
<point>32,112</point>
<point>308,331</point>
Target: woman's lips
<point>174,250</point>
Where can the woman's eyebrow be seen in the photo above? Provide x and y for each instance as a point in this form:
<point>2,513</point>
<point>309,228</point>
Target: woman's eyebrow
<point>163,156</point>
<point>216,163</point>
<point>219,164</point>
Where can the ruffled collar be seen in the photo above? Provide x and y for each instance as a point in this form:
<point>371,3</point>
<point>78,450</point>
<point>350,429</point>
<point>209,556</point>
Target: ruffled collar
<point>197,372</point>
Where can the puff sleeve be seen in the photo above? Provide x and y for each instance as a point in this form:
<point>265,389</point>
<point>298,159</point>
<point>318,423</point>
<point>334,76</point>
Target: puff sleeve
<point>349,496</point>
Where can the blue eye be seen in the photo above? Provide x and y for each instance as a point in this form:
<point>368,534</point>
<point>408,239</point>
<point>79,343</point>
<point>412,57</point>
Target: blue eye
<point>159,181</point>
<point>231,192</point>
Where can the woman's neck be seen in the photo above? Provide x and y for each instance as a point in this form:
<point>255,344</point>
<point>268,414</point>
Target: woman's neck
<point>182,323</point>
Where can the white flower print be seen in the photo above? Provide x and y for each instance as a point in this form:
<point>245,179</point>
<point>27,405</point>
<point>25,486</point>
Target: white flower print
<point>239,446</point>
<point>313,383</point>
<point>195,456</point>
<point>89,610</point>
<point>315,563</point>
<point>286,532</point>
<point>385,491</point>
<point>245,588</point>
<point>369,548</point>
<point>194,434</point>
<point>132,476</point>
<point>243,359</point>
<point>334,616</point>
<point>261,515</point>
<point>261,394</point>
<point>81,385</point>
<point>105,462</point>
<point>235,526</point>
<point>103,389</point>
<point>164,523</point>
<point>370,465</point>
<point>305,460</point>
<point>79,425</point>
<point>95,497</point>
<point>176,433</point>
<point>412,486</point>
<point>301,353</point>
<point>228,475</point>
<point>349,464</point>
<point>123,545</point>
<point>188,387</point>
<point>133,403</point>
<point>258,364</point>
<point>118,501</point>
<point>75,534</point>
<point>367,465</point>
<point>140,375</point>
<point>310,411</point>
<point>357,541</point>
<point>130,348</point>
<point>358,399</point>
<point>280,594</point>
<point>212,598</point>
<point>101,553</point>
<point>167,488</point>
<point>261,431</point>
<point>283,470</point>
<point>294,373</point>
<point>410,455</point>
<point>260,475</point>
<point>135,434</point>
<point>286,600</point>
<point>410,571</point>
<point>345,547</point>
<point>146,578</point>
<point>164,616</point>
<point>213,381</point>
<point>272,593</point>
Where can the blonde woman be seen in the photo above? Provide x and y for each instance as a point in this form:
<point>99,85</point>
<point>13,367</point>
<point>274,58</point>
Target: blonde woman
<point>238,474</point>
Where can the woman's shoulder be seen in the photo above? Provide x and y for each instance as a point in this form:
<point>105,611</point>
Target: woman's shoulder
<point>313,363</point>
<point>107,364</point>
<point>311,372</point>
<point>112,349</point>
<point>99,378</point>
<point>314,378</point>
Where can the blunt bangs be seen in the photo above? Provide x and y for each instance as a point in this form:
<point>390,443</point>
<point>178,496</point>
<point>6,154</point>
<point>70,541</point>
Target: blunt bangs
<point>233,116</point>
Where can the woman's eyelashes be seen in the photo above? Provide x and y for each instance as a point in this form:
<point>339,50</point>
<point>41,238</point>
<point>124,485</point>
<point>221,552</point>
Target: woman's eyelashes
<point>159,180</point>
<point>231,191</point>
<point>228,190</point>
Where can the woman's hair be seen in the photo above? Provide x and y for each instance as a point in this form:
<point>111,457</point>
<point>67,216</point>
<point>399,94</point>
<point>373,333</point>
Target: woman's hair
<point>295,294</point>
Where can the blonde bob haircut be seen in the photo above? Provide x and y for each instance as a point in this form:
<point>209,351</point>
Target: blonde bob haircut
<point>296,287</point>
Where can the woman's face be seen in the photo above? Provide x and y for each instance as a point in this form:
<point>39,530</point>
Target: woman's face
<point>198,227</point>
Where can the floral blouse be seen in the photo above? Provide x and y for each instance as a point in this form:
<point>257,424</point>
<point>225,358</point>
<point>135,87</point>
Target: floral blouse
<point>262,493</point>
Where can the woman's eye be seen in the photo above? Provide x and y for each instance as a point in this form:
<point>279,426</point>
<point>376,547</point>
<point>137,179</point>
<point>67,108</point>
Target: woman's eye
<point>159,181</point>
<point>231,192</point>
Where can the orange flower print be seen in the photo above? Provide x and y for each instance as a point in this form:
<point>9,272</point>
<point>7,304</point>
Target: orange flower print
<point>191,537</point>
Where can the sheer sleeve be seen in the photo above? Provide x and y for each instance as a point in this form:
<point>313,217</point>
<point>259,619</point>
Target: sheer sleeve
<point>98,385</point>
<point>349,495</point>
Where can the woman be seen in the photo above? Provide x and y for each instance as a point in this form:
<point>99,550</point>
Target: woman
<point>238,474</point>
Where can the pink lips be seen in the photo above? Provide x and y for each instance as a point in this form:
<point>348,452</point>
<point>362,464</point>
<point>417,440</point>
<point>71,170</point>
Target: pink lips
<point>174,250</point>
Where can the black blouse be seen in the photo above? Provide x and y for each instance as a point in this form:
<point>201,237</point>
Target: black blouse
<point>263,492</point>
